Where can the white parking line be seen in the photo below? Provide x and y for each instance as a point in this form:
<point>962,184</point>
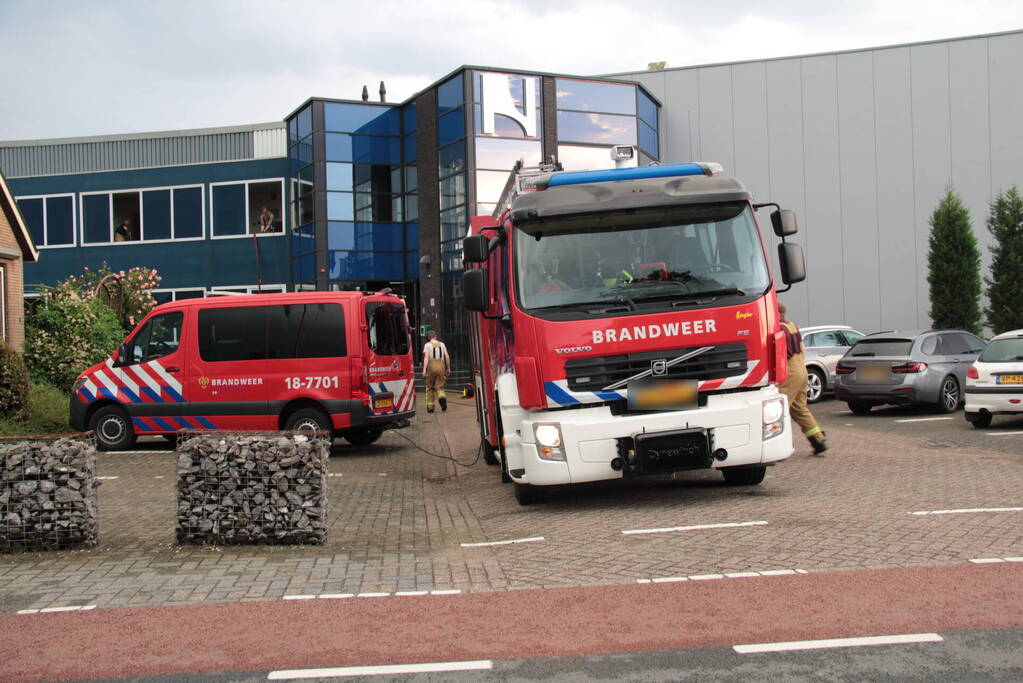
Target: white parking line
<point>964,510</point>
<point>106,478</point>
<point>924,419</point>
<point>385,670</point>
<point>995,560</point>
<point>534,539</point>
<point>72,608</point>
<point>1002,433</point>
<point>696,527</point>
<point>838,642</point>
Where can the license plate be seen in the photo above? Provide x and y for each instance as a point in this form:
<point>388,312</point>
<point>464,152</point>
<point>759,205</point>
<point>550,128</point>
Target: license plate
<point>662,394</point>
<point>874,373</point>
<point>381,405</point>
<point>1010,379</point>
<point>684,449</point>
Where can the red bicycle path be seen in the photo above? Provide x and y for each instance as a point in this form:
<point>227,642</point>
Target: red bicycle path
<point>274,635</point>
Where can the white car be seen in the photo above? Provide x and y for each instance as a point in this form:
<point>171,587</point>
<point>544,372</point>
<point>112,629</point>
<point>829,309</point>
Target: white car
<point>994,384</point>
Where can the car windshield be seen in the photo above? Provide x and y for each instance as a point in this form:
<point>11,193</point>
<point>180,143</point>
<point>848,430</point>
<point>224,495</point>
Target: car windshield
<point>881,347</point>
<point>677,254</point>
<point>1003,351</point>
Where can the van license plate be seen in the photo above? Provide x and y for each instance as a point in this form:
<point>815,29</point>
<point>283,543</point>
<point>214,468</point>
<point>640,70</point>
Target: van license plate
<point>1010,379</point>
<point>383,404</point>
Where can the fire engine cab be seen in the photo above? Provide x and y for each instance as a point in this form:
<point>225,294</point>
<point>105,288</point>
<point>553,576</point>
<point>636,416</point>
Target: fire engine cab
<point>624,323</point>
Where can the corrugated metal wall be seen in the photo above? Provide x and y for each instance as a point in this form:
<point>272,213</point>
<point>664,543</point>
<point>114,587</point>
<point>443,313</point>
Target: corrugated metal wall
<point>66,157</point>
<point>861,145</point>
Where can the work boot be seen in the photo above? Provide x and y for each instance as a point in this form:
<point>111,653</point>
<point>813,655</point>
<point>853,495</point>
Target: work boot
<point>443,403</point>
<point>819,447</point>
<point>429,409</point>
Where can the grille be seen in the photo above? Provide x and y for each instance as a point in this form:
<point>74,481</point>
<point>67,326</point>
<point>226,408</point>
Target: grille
<point>593,374</point>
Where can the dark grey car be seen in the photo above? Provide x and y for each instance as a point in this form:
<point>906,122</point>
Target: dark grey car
<point>907,367</point>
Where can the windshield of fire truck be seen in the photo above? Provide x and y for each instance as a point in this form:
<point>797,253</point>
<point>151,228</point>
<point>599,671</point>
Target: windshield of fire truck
<point>638,257</point>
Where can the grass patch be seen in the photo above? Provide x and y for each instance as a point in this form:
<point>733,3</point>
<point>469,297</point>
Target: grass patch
<point>49,413</point>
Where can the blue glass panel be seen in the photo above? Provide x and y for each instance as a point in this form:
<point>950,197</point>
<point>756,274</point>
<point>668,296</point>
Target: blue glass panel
<point>339,176</point>
<point>365,236</point>
<point>303,240</point>
<point>450,94</point>
<point>412,264</point>
<point>647,108</point>
<point>293,130</point>
<point>303,268</point>
<point>591,96</point>
<point>450,127</point>
<point>361,118</point>
<point>156,214</point>
<point>411,207</point>
<point>501,155</point>
<point>452,191</point>
<point>305,122</point>
<point>454,223</point>
<point>408,118</point>
<point>32,212</point>
<point>409,145</point>
<point>648,140</point>
<point>451,159</point>
<point>411,178</point>
<point>96,218</point>
<point>188,212</point>
<point>229,210</point>
<point>602,129</point>
<point>60,220</point>
<point>303,152</point>
<point>412,235</point>
<point>363,148</point>
<point>366,265</point>
<point>340,206</point>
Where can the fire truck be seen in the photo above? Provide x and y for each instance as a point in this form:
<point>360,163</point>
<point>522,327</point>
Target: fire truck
<point>624,323</point>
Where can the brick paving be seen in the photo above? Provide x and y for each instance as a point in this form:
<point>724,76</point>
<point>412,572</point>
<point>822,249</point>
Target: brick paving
<point>399,518</point>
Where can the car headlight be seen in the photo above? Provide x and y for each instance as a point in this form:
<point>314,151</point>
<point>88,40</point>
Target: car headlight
<point>549,441</point>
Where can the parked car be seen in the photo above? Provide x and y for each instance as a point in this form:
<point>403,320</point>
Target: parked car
<point>907,367</point>
<point>994,383</point>
<point>825,346</point>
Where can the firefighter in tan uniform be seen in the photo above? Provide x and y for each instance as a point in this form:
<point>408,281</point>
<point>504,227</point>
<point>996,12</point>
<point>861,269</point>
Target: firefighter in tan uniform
<point>436,369</point>
<point>795,386</point>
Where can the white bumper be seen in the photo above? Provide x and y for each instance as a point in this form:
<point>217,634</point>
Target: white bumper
<point>994,402</point>
<point>589,436</point>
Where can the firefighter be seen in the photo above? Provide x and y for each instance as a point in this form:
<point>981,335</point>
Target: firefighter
<point>436,370</point>
<point>795,386</point>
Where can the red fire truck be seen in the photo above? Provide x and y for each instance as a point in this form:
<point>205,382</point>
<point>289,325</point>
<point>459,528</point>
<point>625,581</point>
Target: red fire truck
<point>624,323</point>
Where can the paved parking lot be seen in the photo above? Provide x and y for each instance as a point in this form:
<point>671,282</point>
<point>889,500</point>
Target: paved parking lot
<point>403,520</point>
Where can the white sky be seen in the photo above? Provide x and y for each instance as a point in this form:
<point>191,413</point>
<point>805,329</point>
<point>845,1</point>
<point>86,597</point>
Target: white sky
<point>75,67</point>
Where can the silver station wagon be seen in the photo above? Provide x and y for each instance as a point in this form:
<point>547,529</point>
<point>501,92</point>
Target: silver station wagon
<point>825,346</point>
<point>902,368</point>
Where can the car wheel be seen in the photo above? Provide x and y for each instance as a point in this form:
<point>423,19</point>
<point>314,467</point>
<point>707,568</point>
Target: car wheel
<point>979,420</point>
<point>113,429</point>
<point>526,494</point>
<point>949,395</point>
<point>363,436</point>
<point>308,420</point>
<point>859,407</point>
<point>744,476</point>
<point>814,385</point>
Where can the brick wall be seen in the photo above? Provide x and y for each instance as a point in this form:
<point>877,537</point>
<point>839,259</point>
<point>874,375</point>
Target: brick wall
<point>13,273</point>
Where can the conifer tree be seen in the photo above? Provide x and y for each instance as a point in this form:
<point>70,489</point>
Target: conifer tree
<point>1005,284</point>
<point>954,267</point>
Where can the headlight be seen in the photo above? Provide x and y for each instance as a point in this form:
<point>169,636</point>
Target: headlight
<point>773,410</point>
<point>547,435</point>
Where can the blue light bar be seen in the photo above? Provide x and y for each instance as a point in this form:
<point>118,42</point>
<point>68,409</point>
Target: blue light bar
<point>669,171</point>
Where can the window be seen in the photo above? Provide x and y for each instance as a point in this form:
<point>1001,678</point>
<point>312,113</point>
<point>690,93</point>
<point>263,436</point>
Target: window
<point>974,344</point>
<point>579,158</point>
<point>605,129</point>
<point>249,208</point>
<point>1006,350</point>
<point>306,331</point>
<point>158,338</point>
<point>151,214</point>
<point>825,339</point>
<point>232,334</point>
<point>612,98</point>
<point>884,347</point>
<point>851,338</point>
<point>50,220</point>
<point>952,344</point>
<point>388,329</point>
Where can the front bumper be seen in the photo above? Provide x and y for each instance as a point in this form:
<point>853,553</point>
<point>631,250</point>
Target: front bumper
<point>591,437</point>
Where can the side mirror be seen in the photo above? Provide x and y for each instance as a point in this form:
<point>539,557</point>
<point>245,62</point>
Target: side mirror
<point>476,289</point>
<point>122,355</point>
<point>476,249</point>
<point>784,222</point>
<point>790,258</point>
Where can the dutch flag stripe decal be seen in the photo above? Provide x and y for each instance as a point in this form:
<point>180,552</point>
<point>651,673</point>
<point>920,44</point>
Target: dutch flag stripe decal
<point>559,395</point>
<point>153,395</point>
<point>205,423</point>
<point>160,422</point>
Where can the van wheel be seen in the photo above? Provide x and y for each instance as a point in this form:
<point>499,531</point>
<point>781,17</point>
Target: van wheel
<point>308,420</point>
<point>363,436</point>
<point>527,494</point>
<point>744,476</point>
<point>113,429</point>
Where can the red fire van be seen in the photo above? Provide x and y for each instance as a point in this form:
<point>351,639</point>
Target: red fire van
<point>312,360</point>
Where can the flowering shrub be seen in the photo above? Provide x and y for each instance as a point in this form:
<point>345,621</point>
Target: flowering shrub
<point>14,384</point>
<point>128,293</point>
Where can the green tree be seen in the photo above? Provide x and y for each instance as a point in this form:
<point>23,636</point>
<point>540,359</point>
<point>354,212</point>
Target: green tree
<point>1005,223</point>
<point>953,263</point>
<point>14,384</point>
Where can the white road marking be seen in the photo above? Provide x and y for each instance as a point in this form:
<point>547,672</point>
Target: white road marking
<point>534,539</point>
<point>336,596</point>
<point>385,670</point>
<point>1002,433</point>
<point>695,527</point>
<point>924,419</point>
<point>994,560</point>
<point>372,595</point>
<point>732,575</point>
<point>299,597</point>
<point>342,596</point>
<point>71,608</point>
<point>705,577</point>
<point>106,478</point>
<point>964,510</point>
<point>159,476</point>
<point>334,475</point>
<point>838,642</point>
<point>411,593</point>
<point>447,592</point>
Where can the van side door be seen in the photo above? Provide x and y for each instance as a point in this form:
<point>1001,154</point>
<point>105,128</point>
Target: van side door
<point>149,377</point>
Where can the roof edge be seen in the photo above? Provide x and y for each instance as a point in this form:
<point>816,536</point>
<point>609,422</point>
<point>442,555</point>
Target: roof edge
<point>21,234</point>
<point>189,132</point>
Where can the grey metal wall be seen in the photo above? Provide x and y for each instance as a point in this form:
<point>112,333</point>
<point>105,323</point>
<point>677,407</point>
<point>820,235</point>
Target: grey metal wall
<point>862,146</point>
<point>83,155</point>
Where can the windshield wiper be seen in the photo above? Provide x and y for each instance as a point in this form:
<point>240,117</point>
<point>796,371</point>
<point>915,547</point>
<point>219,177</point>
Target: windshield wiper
<point>712,294</point>
<point>588,305</point>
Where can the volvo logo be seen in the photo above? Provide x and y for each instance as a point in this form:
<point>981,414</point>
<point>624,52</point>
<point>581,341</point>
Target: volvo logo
<point>659,367</point>
<point>573,349</point>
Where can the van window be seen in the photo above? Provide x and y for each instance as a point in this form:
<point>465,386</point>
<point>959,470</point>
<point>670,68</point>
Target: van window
<point>231,334</point>
<point>388,328</point>
<point>307,331</point>
<point>158,338</point>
